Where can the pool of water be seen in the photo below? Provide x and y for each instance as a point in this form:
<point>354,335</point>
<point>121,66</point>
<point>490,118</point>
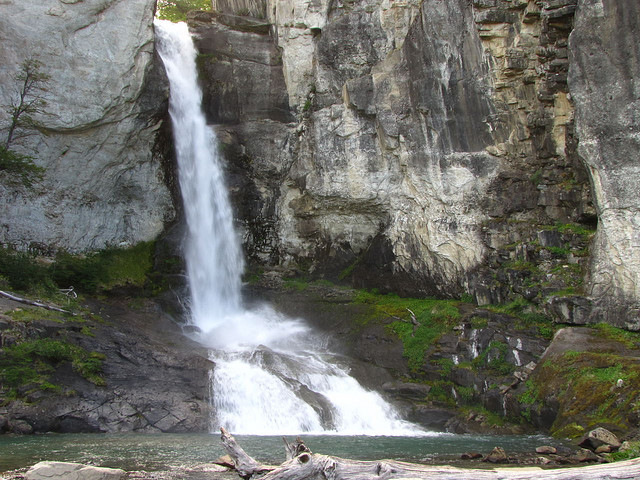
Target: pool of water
<point>154,452</point>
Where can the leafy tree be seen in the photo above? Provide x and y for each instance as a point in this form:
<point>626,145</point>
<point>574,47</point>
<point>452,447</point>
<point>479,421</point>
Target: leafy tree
<point>31,85</point>
<point>29,100</point>
<point>176,10</point>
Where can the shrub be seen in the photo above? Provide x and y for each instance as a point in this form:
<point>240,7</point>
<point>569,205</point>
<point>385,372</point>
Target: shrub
<point>19,168</point>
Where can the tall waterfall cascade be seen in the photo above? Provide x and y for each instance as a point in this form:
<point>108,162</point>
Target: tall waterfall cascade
<point>272,374</point>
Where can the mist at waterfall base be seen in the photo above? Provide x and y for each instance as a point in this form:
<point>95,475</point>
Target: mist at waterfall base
<point>273,374</point>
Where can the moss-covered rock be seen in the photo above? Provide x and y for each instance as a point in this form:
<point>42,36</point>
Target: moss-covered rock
<point>588,377</point>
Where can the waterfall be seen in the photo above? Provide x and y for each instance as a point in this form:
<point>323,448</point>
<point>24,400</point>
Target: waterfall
<point>272,374</point>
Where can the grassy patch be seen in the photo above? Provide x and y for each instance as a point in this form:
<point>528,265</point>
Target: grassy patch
<point>434,317</point>
<point>528,316</point>
<point>297,284</point>
<point>627,338</point>
<point>590,389</point>
<point>633,451</point>
<point>32,361</point>
<point>27,315</point>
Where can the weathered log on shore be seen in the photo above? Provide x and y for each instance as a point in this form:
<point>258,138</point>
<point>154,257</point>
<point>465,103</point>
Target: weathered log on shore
<point>310,466</point>
<point>26,301</point>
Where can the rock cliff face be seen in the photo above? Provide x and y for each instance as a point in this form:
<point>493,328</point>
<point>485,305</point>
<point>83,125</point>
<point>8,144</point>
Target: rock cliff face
<point>604,79</point>
<point>423,147</point>
<point>430,147</point>
<point>103,183</point>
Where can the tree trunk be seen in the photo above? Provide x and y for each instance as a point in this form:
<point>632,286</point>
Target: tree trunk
<point>310,466</point>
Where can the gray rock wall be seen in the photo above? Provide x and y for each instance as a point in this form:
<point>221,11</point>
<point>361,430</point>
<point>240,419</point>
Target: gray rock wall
<point>604,77</point>
<point>427,144</point>
<point>103,182</point>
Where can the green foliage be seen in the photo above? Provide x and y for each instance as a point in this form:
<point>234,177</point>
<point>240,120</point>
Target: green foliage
<point>19,168</point>
<point>30,314</point>
<point>296,284</point>
<point>466,394</point>
<point>627,338</point>
<point>531,396</point>
<point>446,365</point>
<point>29,100</point>
<point>481,413</point>
<point>536,178</point>
<point>559,251</point>
<point>103,270</point>
<point>467,298</point>
<point>30,86</point>
<point>22,272</point>
<point>528,316</point>
<point>633,451</point>
<point>574,228</point>
<point>572,430</point>
<point>478,322</point>
<point>433,317</point>
<point>493,358</point>
<point>590,389</point>
<point>442,392</point>
<point>89,365</point>
<point>30,362</point>
<point>176,10</point>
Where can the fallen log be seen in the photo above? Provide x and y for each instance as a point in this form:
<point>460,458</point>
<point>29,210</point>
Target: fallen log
<point>312,466</point>
<point>26,301</point>
<point>246,466</point>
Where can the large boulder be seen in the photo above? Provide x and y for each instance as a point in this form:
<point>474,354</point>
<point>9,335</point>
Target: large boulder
<point>72,471</point>
<point>599,437</point>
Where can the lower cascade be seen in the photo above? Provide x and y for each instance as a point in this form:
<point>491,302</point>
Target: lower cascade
<point>273,374</point>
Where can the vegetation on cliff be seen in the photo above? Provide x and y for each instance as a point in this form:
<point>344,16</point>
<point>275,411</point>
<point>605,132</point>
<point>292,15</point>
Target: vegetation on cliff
<point>176,10</point>
<point>88,273</point>
<point>30,87</point>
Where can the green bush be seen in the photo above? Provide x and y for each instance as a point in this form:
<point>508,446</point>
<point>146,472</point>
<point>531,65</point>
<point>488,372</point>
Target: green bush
<point>22,272</point>
<point>19,168</point>
<point>103,270</point>
<point>84,273</point>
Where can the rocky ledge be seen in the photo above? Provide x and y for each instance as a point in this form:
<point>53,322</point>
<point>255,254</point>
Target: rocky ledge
<point>113,367</point>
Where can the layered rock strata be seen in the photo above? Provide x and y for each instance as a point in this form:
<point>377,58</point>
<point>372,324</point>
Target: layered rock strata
<point>427,148</point>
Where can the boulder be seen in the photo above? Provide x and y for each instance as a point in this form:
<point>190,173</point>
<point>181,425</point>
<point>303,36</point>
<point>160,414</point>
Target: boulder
<point>546,450</point>
<point>471,456</point>
<point>225,461</point>
<point>497,455</point>
<point>20,427</point>
<point>72,471</point>
<point>584,455</point>
<point>599,437</point>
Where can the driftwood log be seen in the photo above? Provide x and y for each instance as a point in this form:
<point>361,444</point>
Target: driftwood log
<point>26,301</point>
<point>311,466</point>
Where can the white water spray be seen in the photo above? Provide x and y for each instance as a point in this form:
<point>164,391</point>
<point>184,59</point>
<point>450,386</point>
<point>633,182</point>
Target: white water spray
<point>269,375</point>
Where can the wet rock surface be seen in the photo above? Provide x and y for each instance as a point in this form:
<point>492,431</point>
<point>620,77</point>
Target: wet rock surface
<point>155,379</point>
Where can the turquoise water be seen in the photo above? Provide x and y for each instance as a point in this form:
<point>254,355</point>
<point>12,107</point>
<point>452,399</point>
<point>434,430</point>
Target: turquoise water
<point>161,451</point>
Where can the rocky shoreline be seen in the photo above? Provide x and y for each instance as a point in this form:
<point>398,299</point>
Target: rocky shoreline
<point>149,377</point>
<point>593,448</point>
